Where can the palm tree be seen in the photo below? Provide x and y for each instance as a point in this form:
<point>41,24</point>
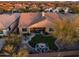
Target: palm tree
<point>13,46</point>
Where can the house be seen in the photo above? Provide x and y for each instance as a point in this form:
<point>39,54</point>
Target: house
<point>36,22</point>
<point>18,5</point>
<point>66,10</point>
<point>26,19</point>
<point>49,9</point>
<point>57,10</point>
<point>8,23</point>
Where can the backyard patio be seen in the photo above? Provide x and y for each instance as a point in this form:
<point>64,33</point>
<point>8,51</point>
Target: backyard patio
<point>49,40</point>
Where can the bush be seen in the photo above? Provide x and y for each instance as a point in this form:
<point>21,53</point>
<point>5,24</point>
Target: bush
<point>13,46</point>
<point>66,30</point>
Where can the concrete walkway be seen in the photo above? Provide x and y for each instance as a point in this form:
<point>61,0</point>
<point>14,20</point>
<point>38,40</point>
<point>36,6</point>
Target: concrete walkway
<point>26,43</point>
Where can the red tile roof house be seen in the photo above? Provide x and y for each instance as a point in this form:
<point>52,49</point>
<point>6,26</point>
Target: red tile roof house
<point>30,21</point>
<point>8,23</point>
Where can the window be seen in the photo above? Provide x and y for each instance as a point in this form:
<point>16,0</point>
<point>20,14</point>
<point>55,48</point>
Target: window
<point>24,29</point>
<point>50,29</point>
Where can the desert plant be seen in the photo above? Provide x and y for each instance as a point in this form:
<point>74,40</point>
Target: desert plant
<point>21,53</point>
<point>13,46</point>
<point>66,30</point>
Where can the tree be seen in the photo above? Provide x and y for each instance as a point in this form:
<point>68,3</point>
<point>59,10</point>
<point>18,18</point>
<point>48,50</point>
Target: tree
<point>66,32</point>
<point>13,46</point>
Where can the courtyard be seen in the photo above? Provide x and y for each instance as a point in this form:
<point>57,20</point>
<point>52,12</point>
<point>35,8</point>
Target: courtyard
<point>49,40</point>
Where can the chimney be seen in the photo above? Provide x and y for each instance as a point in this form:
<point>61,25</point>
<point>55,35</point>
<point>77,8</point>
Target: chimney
<point>43,13</point>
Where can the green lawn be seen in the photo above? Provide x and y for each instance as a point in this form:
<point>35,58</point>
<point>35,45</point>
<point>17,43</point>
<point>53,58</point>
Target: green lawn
<point>49,40</point>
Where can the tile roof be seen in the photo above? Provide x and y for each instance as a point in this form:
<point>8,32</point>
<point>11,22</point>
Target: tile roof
<point>6,20</point>
<point>52,16</point>
<point>44,23</point>
<point>29,19</point>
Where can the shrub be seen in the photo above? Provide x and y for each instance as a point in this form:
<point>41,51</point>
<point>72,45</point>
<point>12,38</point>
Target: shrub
<point>13,46</point>
<point>66,29</point>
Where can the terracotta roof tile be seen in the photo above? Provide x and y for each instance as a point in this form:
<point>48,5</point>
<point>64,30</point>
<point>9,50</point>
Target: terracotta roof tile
<point>30,19</point>
<point>7,20</point>
<point>27,18</point>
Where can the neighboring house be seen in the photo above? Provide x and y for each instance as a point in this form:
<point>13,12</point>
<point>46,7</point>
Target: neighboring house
<point>49,9</point>
<point>59,10</point>
<point>66,10</point>
<point>18,6</point>
<point>33,22</point>
<point>8,22</point>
